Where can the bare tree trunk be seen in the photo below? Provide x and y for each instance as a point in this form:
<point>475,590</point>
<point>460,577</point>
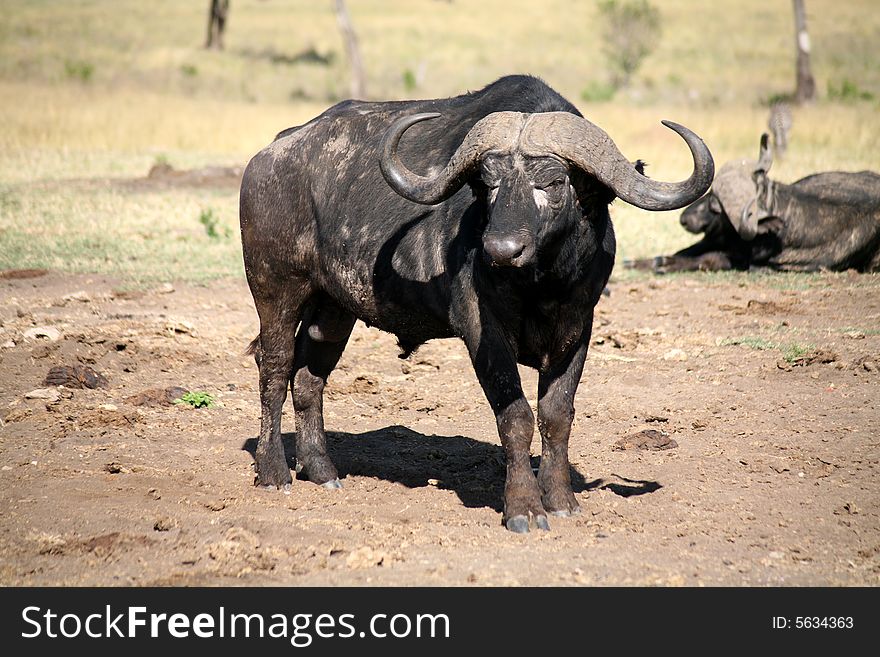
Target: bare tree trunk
<point>806,85</point>
<point>217,23</point>
<point>358,80</point>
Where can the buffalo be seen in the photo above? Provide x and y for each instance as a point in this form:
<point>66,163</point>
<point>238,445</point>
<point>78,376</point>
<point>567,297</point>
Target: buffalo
<point>482,217</point>
<point>826,221</point>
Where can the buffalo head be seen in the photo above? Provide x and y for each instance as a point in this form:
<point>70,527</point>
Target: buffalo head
<point>739,194</point>
<point>537,174</point>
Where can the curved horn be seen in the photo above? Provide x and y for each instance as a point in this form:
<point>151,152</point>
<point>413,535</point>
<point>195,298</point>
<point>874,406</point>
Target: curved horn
<point>494,131</point>
<point>590,148</point>
<point>765,155</point>
<point>748,221</point>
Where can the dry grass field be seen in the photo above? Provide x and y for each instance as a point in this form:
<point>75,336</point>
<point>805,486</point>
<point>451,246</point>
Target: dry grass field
<point>97,89</point>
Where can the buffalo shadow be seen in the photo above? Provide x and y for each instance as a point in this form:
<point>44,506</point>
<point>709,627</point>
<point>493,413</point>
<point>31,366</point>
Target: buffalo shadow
<point>473,469</point>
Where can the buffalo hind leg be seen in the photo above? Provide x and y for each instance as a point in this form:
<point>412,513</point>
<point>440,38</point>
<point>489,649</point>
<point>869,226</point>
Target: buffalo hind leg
<point>279,314</point>
<point>319,344</point>
<point>556,389</point>
<point>495,367</point>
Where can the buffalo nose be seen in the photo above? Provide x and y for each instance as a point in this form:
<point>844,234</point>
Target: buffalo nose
<point>503,250</point>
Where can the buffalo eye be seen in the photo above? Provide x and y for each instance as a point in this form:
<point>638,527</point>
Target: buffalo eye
<point>553,185</point>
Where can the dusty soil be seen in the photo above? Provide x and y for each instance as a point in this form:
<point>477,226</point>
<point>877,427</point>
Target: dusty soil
<point>695,461</point>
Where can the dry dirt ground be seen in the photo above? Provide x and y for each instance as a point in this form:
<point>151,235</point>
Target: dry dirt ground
<point>767,476</point>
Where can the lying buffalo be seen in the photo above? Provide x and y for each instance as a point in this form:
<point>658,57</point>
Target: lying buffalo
<point>824,221</point>
<point>483,217</point>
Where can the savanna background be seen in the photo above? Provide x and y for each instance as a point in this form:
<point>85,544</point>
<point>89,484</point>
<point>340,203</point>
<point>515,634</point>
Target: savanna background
<point>773,476</point>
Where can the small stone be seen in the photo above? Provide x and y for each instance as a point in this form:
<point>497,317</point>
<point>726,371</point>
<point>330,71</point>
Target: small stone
<point>17,415</point>
<point>157,396</point>
<point>647,439</point>
<point>49,394</point>
<point>154,494</point>
<point>675,354</point>
<point>76,376</point>
<point>854,335</point>
<point>115,467</point>
<point>80,296</point>
<point>365,557</point>
<point>42,333</point>
<point>164,524</point>
<point>180,327</point>
<point>165,288</point>
<point>9,344</point>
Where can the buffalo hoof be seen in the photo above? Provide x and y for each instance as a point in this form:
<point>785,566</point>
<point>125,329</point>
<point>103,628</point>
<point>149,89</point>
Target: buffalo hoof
<point>276,478</point>
<point>333,484</point>
<point>284,488</point>
<point>520,524</point>
<point>565,513</point>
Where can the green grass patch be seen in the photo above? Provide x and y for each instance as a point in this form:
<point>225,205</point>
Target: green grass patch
<point>749,341</point>
<point>196,400</point>
<point>790,351</point>
<point>856,329</point>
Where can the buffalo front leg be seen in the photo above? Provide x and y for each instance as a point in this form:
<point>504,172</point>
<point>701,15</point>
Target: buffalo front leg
<point>556,388</point>
<point>496,371</point>
<point>319,344</point>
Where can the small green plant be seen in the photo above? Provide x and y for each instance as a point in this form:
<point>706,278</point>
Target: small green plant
<point>794,351</point>
<point>196,400</point>
<point>79,70</point>
<point>212,224</point>
<point>630,33</point>
<point>189,70</point>
<point>409,80</point>
<point>598,92</point>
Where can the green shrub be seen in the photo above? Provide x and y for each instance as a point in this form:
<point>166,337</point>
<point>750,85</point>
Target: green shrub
<point>79,70</point>
<point>847,91</point>
<point>630,33</point>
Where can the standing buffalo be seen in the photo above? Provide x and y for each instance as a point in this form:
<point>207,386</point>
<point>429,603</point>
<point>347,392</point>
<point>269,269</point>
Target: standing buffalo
<point>483,217</point>
<point>825,221</point>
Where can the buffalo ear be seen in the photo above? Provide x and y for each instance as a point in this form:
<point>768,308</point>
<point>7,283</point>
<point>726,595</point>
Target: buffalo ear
<point>770,225</point>
<point>589,190</point>
<point>760,178</point>
<point>765,154</point>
